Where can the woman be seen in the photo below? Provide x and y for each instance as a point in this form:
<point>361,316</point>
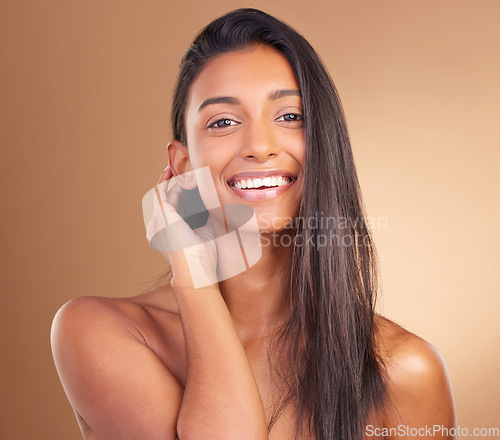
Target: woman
<point>289,348</point>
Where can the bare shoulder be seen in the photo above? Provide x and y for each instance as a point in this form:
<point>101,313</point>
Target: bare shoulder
<point>418,379</point>
<point>92,313</point>
<point>105,354</point>
<point>138,315</point>
<point>151,319</point>
<point>406,353</point>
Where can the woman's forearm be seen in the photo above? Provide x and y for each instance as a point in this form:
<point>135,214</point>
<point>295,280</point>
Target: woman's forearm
<point>221,398</point>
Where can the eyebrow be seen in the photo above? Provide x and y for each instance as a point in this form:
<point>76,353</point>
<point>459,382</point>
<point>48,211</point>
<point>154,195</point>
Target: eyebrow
<point>277,94</point>
<point>273,96</point>
<point>219,100</point>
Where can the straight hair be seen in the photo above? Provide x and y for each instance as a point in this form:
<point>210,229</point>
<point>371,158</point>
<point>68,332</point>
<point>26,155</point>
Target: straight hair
<point>327,347</point>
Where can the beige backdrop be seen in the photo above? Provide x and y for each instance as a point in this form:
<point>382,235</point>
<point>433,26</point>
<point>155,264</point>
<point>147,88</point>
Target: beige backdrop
<point>85,94</point>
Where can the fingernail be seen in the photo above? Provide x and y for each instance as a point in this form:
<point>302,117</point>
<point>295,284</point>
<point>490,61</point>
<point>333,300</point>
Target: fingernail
<point>166,168</point>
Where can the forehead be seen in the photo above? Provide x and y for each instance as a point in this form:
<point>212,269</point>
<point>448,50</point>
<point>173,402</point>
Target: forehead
<point>248,70</point>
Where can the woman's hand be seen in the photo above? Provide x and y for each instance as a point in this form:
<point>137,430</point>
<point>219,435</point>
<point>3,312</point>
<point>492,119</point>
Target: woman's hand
<point>191,253</point>
<point>220,388</point>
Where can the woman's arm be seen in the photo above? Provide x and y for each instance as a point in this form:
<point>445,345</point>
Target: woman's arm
<point>221,398</point>
<point>123,391</point>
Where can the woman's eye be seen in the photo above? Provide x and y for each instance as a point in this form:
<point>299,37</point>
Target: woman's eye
<point>221,123</point>
<point>290,117</point>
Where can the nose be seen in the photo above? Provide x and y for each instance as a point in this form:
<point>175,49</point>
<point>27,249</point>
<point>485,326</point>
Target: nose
<point>260,143</point>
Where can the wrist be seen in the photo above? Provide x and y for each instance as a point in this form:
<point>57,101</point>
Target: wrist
<point>187,290</point>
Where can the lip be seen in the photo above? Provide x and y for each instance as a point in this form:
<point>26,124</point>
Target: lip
<point>260,175</point>
<point>261,194</point>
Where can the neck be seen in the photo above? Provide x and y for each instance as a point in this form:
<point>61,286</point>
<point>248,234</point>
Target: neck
<point>257,298</point>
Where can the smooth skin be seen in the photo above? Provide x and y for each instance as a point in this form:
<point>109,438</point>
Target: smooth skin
<point>192,363</point>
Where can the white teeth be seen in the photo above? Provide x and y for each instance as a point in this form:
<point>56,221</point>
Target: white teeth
<point>266,181</point>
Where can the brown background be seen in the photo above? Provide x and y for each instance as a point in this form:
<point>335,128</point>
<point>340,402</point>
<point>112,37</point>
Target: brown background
<point>85,93</point>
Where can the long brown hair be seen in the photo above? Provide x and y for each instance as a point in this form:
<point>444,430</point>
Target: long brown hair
<point>337,379</point>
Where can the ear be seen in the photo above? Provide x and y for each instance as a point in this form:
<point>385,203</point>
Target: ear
<point>178,158</point>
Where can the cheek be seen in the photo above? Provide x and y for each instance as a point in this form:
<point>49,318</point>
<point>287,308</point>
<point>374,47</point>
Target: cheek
<point>295,145</point>
<point>203,152</point>
<point>217,158</point>
<point>209,182</point>
<point>300,150</point>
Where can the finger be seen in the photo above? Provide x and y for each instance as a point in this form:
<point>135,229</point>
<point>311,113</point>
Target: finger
<point>164,207</point>
<point>174,194</point>
<point>167,231</point>
<point>167,196</point>
<point>166,174</point>
<point>172,217</point>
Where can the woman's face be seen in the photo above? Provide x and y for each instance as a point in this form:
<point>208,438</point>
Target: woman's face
<point>244,121</point>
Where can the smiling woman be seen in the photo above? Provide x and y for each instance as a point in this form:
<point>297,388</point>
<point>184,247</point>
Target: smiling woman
<point>291,347</point>
<point>244,121</point>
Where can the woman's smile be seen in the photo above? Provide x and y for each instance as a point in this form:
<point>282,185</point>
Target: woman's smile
<point>244,121</point>
<point>261,185</point>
